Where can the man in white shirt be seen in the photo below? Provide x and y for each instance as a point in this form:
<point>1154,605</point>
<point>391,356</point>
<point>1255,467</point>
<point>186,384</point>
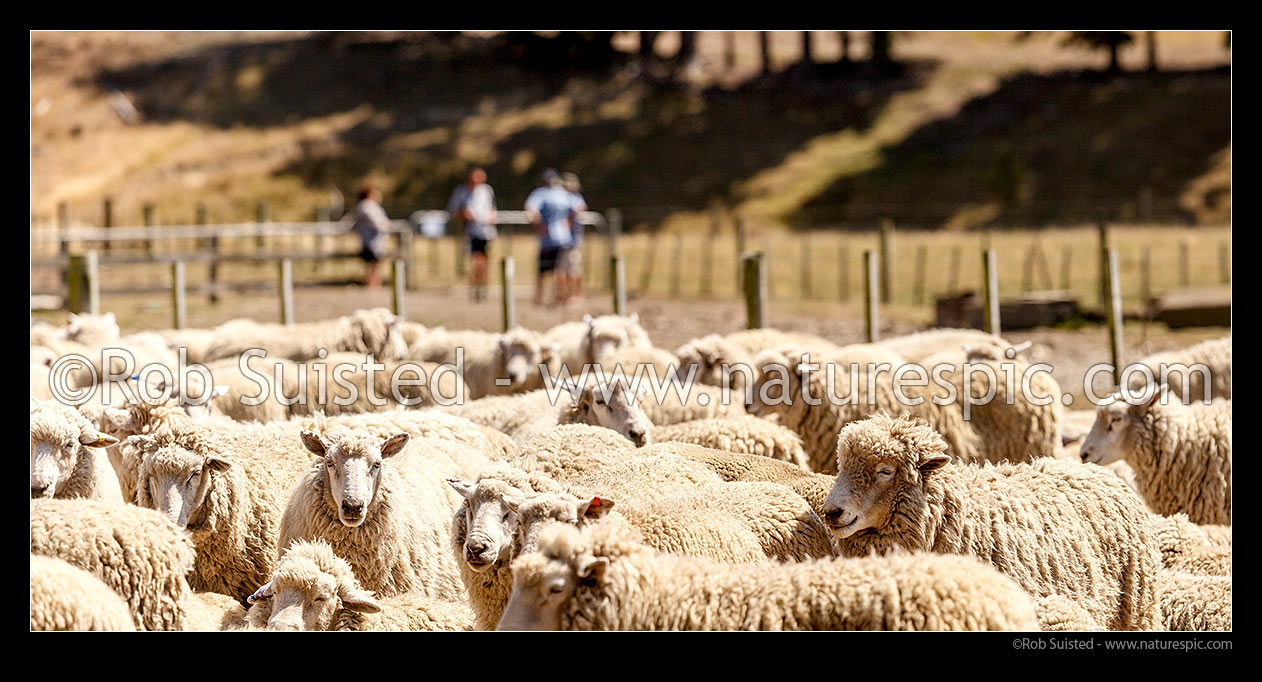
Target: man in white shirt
<point>474,203</point>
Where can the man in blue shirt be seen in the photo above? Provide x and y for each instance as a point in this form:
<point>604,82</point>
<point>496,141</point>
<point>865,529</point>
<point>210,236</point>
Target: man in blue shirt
<point>551,210</point>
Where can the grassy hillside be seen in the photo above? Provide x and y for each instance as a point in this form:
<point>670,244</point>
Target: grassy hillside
<point>970,129</point>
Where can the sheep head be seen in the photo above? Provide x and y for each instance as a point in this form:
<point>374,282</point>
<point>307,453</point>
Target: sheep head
<point>177,470</point>
<point>60,436</point>
<point>311,589</point>
<point>536,511</point>
<point>544,583</point>
<point>352,469</point>
<point>1117,429</point>
<point>613,405</point>
<point>882,463</point>
<point>608,333</point>
<point>490,521</point>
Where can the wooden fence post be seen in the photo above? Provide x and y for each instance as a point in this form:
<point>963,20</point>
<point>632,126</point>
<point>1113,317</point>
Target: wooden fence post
<point>754,267</point>
<point>887,259</point>
<point>677,265</point>
<point>107,219</point>
<point>262,214</point>
<point>1103,230</point>
<point>843,270</point>
<point>323,214</point>
<point>63,224</point>
<point>1185,270</point>
<point>707,255</point>
<point>650,255</point>
<point>409,256</point>
<point>212,275</point>
<point>1114,311</point>
<point>618,268</point>
<point>614,221</point>
<point>741,236</point>
<point>178,308</point>
<point>1224,263</point>
<point>953,275</point>
<point>83,284</point>
<point>286,292</point>
<point>990,273</point>
<point>508,306</point>
<point>399,288</point>
<point>147,211</point>
<point>1066,265</point>
<point>871,295</point>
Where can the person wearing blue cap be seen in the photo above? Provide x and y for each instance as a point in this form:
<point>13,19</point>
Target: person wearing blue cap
<point>551,209</point>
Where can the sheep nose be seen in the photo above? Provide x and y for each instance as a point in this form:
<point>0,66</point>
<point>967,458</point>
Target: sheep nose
<point>832,515</point>
<point>1086,453</point>
<point>352,509</point>
<point>38,490</point>
<point>476,547</point>
<point>637,437</point>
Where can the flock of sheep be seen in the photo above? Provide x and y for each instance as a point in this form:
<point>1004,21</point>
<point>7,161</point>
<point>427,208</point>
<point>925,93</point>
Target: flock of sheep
<point>600,507</point>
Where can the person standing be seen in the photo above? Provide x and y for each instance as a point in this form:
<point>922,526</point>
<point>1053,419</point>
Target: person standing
<point>550,209</point>
<point>372,226</point>
<point>574,256</point>
<point>474,203</point>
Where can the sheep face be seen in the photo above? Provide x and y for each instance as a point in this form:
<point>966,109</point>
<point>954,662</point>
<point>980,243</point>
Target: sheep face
<point>775,386</point>
<point>1116,428</point>
<point>538,511</point>
<point>378,334</point>
<point>92,327</point>
<point>352,471</point>
<point>176,478</point>
<point>491,521</point>
<point>520,355</point>
<point>881,465</point>
<point>309,590</point>
<point>610,406</point>
<point>59,437</point>
<point>545,583</point>
<point>709,354</point>
<point>607,334</point>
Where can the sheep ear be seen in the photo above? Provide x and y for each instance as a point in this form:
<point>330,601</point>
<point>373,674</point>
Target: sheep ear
<point>1021,347</point>
<point>358,600</point>
<point>634,318</point>
<point>142,443</point>
<point>933,462</point>
<point>513,502</point>
<point>122,419</point>
<point>587,319</point>
<point>1153,401</point>
<point>95,439</point>
<point>110,317</point>
<point>592,568</point>
<point>264,592</point>
<point>595,508</point>
<point>394,444</point>
<point>313,443</point>
<point>217,463</point>
<point>465,488</point>
<point>71,318</point>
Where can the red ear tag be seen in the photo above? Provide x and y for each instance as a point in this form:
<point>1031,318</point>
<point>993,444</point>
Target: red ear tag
<point>595,501</point>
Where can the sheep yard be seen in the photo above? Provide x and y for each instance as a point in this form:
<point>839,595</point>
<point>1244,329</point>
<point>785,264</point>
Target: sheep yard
<point>880,331</point>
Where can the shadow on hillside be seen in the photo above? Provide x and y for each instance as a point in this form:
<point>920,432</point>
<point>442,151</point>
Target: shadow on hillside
<point>666,147</point>
<point>1061,147</point>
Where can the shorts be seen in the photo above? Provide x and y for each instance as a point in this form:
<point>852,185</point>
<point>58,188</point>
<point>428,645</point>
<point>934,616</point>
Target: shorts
<point>369,255</point>
<point>570,262</point>
<point>477,245</point>
<point>548,260</point>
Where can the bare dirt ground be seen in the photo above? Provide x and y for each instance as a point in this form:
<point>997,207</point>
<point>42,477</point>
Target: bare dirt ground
<point>669,322</point>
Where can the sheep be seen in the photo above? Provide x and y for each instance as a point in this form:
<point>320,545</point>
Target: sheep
<point>493,364</point>
<point>920,345</point>
<point>1214,354</point>
<point>628,360</point>
<point>1189,548</point>
<point>484,535</point>
<point>731,466</point>
<point>1181,454</point>
<point>64,597</point>
<point>420,424</point>
<point>314,589</point>
<point>137,552</point>
<point>729,360</point>
<point>237,386</point>
<point>601,578</point>
<point>996,430</point>
<point>195,342</point>
<point>65,457</point>
<point>1194,602</point>
<point>645,476</point>
<point>608,333</point>
<point>1058,613</point>
<point>744,434</point>
<point>338,384</point>
<point>228,488</point>
<point>389,519</point>
<point>128,356</point>
<point>372,332</point>
<point>689,403</point>
<point>1054,527</point>
<point>42,360</point>
<point>610,404</point>
<point>92,330</point>
<point>570,451</point>
<point>518,416</point>
<point>213,612</point>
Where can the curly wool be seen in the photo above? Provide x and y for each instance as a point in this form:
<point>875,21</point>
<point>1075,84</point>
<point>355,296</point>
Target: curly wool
<point>700,402</point>
<point>1214,354</point>
<point>518,416</point>
<point>235,529</point>
<point>613,332</point>
<point>137,552</point>
<point>731,466</point>
<point>486,357</point>
<point>1194,603</point>
<point>489,590</point>
<point>64,597</point>
<point>401,544</point>
<point>1189,548</point>
<point>1181,455</point>
<point>1054,527</point>
<point>419,424</point>
<point>645,590</point>
<point>1058,613</point>
<point>745,434</point>
<point>213,612</point>
<point>569,451</point>
<point>364,331</point>
<point>305,562</point>
<point>90,473</point>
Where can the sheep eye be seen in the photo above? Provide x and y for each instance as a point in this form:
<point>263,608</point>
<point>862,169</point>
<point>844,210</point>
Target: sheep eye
<point>376,466</point>
<point>317,600</point>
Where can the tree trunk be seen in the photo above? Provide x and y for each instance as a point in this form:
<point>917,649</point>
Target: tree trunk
<point>845,45</point>
<point>807,58</point>
<point>881,47</point>
<point>687,47</point>
<point>647,40</point>
<point>764,48</point>
<point>1150,37</point>
<point>1114,64</point>
<point>729,49</point>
